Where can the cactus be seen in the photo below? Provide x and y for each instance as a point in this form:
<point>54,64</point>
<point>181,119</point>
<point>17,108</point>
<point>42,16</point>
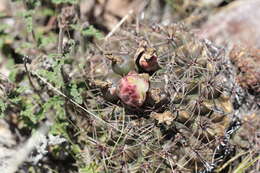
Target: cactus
<point>181,84</point>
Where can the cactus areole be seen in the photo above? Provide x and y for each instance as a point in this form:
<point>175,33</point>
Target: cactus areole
<point>132,89</point>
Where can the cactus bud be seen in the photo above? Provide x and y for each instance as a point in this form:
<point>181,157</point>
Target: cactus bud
<point>132,89</point>
<point>121,65</point>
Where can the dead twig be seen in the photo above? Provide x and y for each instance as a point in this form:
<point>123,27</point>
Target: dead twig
<point>119,24</point>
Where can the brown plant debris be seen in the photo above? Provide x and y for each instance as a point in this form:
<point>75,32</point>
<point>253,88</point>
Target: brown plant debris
<point>247,62</point>
<point>166,117</point>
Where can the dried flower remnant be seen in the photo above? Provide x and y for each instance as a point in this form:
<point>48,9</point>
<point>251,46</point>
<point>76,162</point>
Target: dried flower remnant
<point>68,16</point>
<point>108,87</point>
<point>132,89</point>
<point>110,93</point>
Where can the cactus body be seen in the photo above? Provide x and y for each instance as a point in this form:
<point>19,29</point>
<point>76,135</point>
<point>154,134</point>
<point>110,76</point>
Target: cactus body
<point>185,92</point>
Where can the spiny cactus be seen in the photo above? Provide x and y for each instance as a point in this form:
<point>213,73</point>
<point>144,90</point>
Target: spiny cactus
<point>187,94</point>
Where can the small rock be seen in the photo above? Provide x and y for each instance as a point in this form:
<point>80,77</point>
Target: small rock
<point>237,23</point>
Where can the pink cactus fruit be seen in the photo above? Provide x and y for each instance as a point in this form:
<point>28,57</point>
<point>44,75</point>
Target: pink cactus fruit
<point>132,89</point>
<point>146,58</point>
<point>149,64</point>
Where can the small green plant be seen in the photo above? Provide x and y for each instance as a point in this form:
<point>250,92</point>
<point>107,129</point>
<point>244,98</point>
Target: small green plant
<point>91,168</point>
<point>54,76</point>
<point>88,31</point>
<point>3,106</point>
<point>64,1</point>
<point>28,18</point>
<point>91,31</point>
<point>75,92</point>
